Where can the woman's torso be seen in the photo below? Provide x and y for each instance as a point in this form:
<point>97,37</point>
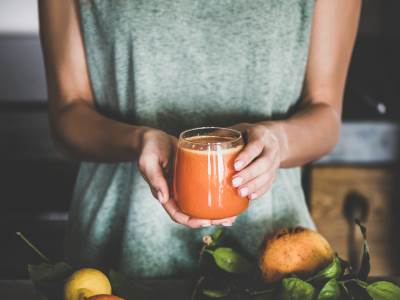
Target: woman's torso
<point>174,65</point>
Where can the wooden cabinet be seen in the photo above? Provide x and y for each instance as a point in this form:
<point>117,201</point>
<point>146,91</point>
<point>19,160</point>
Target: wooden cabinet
<point>338,194</point>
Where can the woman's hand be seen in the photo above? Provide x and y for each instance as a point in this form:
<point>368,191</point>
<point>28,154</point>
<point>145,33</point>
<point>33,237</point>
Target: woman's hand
<point>155,163</point>
<point>258,162</point>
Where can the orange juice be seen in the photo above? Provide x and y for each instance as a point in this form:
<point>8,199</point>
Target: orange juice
<point>203,177</point>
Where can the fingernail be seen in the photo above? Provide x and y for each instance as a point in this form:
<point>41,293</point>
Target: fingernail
<point>227,224</point>
<point>244,191</point>
<point>160,197</point>
<point>253,196</point>
<point>238,165</point>
<point>237,181</point>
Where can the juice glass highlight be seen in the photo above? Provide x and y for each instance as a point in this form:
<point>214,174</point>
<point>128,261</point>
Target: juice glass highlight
<point>203,173</point>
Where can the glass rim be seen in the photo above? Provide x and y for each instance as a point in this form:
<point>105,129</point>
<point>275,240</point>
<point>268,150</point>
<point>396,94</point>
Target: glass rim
<point>236,139</point>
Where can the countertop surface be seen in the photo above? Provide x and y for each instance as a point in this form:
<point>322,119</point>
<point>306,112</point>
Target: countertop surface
<point>25,290</point>
<point>366,143</point>
<point>171,289</point>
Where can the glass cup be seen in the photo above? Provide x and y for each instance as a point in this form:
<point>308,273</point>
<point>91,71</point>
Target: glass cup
<point>203,171</point>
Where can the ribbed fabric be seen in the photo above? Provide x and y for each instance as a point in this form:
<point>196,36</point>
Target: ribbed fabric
<point>173,65</point>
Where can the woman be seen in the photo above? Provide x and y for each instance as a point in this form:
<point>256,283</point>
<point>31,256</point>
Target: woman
<point>125,77</point>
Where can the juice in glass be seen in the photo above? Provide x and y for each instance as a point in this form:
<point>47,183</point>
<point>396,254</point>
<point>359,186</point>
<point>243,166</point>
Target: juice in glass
<point>203,173</point>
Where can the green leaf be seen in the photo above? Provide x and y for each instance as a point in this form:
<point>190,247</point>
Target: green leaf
<point>333,270</point>
<point>215,293</point>
<point>383,290</point>
<point>365,261</point>
<point>330,291</point>
<point>296,289</point>
<point>231,261</point>
<point>49,278</point>
<point>217,235</point>
<point>270,294</point>
<point>126,288</point>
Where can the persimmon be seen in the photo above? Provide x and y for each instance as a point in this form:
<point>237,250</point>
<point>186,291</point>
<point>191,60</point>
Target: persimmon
<point>298,251</point>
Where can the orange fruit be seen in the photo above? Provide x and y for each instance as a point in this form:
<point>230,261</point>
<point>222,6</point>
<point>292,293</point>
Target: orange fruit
<point>298,251</point>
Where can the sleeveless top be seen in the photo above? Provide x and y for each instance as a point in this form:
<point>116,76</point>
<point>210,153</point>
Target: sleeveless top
<point>174,65</point>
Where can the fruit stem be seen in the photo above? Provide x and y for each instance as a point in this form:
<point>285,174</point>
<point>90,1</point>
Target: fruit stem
<point>196,288</point>
<point>33,247</point>
<point>201,253</point>
<point>258,293</point>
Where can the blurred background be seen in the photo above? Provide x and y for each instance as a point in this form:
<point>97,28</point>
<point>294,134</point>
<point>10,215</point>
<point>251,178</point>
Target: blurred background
<point>359,179</point>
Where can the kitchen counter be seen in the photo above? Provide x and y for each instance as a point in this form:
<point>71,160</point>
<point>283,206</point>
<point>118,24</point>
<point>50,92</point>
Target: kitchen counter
<point>365,143</point>
<point>171,289</point>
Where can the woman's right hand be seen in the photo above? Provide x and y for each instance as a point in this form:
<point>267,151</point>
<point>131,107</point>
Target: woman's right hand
<point>155,162</point>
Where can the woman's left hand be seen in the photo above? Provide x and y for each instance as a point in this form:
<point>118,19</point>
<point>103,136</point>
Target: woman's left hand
<point>258,162</point>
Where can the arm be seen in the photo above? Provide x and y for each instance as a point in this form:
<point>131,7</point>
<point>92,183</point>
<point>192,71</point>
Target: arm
<point>316,126</point>
<point>314,129</point>
<point>78,129</point>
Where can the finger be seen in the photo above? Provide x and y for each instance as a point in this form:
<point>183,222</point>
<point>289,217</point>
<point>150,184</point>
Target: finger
<point>261,191</point>
<point>179,217</point>
<point>252,150</point>
<point>255,184</point>
<point>153,174</point>
<point>261,165</point>
<point>224,222</point>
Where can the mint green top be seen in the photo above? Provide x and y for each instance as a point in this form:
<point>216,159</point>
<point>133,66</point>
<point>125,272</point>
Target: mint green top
<point>174,65</point>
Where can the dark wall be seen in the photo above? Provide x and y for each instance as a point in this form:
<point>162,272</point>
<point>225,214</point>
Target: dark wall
<point>374,73</point>
<point>21,70</point>
<point>36,182</point>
